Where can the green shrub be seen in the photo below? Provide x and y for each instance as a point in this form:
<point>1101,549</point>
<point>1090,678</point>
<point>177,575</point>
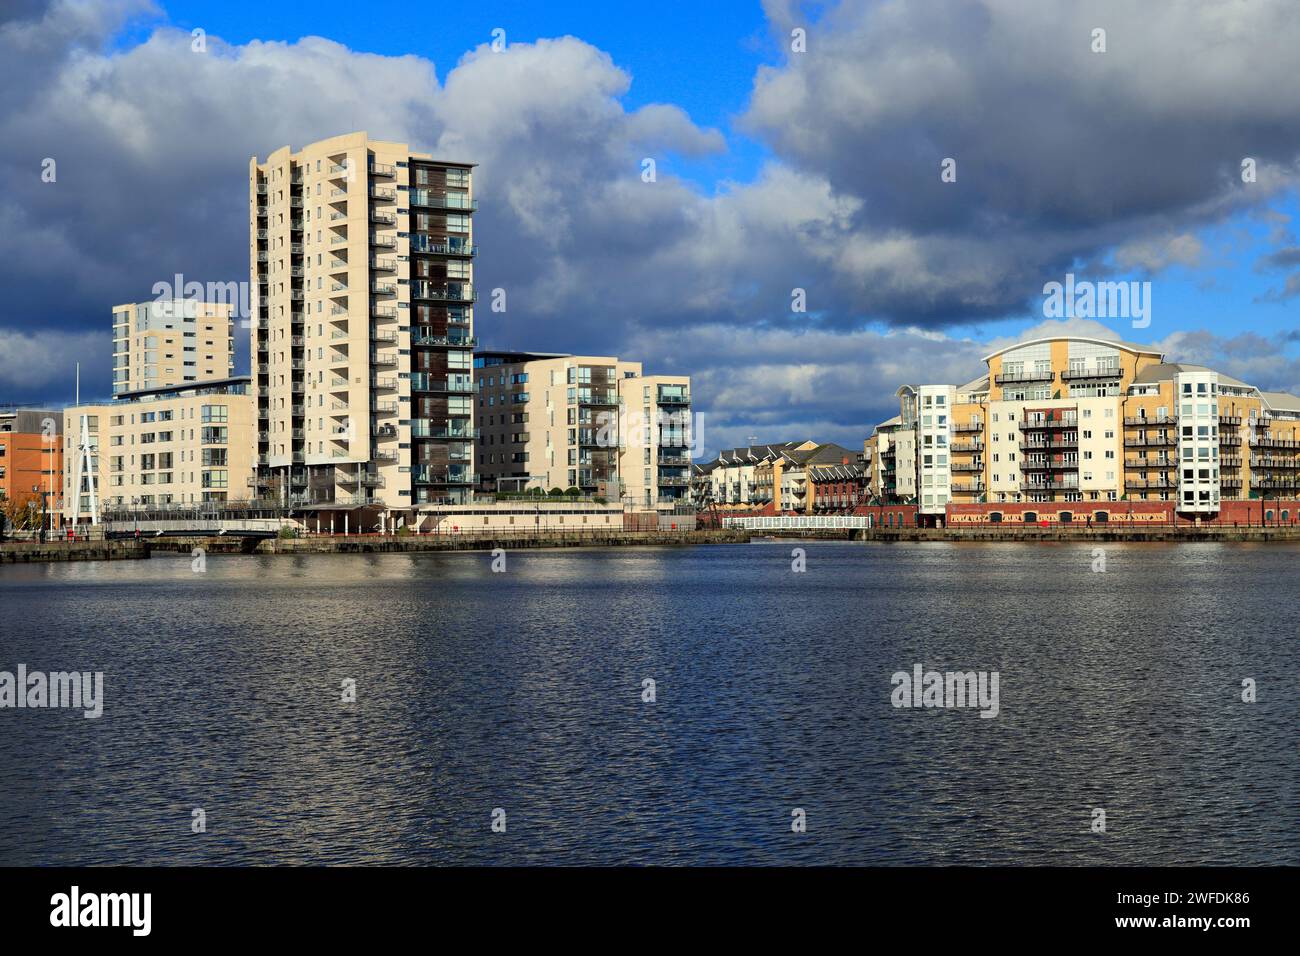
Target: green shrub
<point>287,531</point>
<point>573,492</point>
<point>557,492</point>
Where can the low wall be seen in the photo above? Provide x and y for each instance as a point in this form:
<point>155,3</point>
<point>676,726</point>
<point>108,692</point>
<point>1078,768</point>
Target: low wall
<point>15,552</point>
<point>1128,513</point>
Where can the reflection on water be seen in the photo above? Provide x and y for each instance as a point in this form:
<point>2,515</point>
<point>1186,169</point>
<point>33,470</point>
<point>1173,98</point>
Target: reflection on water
<point>522,690</point>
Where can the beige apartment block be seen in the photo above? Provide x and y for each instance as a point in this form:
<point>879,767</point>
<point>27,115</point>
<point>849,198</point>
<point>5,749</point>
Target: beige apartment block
<point>166,343</point>
<point>1078,419</point>
<point>169,446</point>
<point>595,423</point>
<point>362,257</point>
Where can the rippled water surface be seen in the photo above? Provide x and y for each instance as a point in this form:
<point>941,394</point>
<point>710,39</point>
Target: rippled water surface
<point>522,690</point>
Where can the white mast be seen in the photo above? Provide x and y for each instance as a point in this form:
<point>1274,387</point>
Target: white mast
<point>84,470</point>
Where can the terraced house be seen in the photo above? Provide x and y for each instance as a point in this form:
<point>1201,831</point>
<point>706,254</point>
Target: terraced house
<point>1078,419</point>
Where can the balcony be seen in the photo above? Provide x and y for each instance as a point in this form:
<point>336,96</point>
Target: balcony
<point>1058,444</point>
<point>429,200</point>
<point>421,246</point>
<point>968,487</point>
<point>673,400</point>
<point>451,292</point>
<point>1056,464</point>
<point>383,312</point>
<point>1151,441</point>
<point>966,427</point>
<point>383,170</point>
<point>456,341</point>
<point>1023,378</point>
<point>975,445</point>
<point>1275,484</point>
<point>377,336</point>
<point>1289,464</point>
<point>1145,483</point>
<point>383,242</point>
<point>1230,421</point>
<point>382,218</point>
<point>426,382</point>
<point>383,383</point>
<point>383,193</point>
<point>1067,484</point>
<point>1164,421</point>
<point>383,265</point>
<point>682,482</point>
<point>422,429</point>
<point>967,466</point>
<point>1147,462</point>
<point>1090,374</point>
<point>429,476</point>
<point>1266,442</point>
<point>383,360</point>
<point>383,288</point>
<point>1069,420</point>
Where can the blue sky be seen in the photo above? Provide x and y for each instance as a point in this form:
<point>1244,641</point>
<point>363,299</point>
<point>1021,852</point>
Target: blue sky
<point>776,171</point>
<point>703,58</point>
<point>700,56</point>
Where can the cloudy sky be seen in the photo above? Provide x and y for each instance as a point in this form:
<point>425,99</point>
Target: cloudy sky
<point>817,169</point>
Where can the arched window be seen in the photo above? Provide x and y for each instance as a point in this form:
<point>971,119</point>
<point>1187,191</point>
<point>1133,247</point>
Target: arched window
<point>1101,517</point>
<point>1029,517</point>
<point>1065,517</point>
<point>995,517</point>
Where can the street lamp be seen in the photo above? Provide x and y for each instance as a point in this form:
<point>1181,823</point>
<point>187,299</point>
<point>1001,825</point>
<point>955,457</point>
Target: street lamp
<point>36,489</point>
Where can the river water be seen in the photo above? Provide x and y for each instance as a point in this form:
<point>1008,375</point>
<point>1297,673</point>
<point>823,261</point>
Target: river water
<point>522,691</point>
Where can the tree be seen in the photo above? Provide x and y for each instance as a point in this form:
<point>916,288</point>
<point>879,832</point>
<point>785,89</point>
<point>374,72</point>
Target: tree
<point>23,511</point>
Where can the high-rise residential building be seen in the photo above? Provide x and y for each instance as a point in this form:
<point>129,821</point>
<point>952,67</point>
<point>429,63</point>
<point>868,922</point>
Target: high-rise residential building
<point>362,257</point>
<point>595,423</point>
<point>181,445</point>
<point>166,342</point>
<point>31,456</point>
<point>1077,419</point>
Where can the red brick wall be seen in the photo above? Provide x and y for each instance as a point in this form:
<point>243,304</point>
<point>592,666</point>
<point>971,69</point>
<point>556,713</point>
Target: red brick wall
<point>1124,512</point>
<point>889,515</point>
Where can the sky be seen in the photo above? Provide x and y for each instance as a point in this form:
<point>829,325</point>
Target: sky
<point>914,171</point>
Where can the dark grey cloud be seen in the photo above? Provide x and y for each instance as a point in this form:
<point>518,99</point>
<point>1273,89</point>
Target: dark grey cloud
<point>1064,156</point>
<point>1062,153</point>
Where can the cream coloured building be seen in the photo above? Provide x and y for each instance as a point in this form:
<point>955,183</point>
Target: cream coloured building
<point>595,423</point>
<point>168,342</point>
<point>1078,419</point>
<point>181,445</point>
<point>362,257</point>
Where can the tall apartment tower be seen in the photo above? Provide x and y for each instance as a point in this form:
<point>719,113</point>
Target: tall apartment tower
<point>170,343</point>
<point>362,335</point>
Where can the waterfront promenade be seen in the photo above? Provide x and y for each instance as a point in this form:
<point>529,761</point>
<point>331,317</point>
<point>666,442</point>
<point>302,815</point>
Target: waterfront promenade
<point>129,548</point>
